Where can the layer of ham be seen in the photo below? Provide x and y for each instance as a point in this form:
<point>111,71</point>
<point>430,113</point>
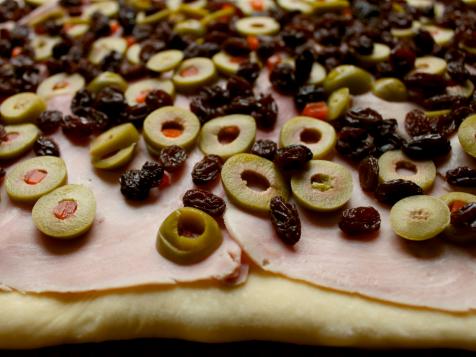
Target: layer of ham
<point>120,249</point>
<point>383,266</point>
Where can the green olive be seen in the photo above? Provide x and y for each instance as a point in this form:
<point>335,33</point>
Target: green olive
<point>338,103</point>
<point>103,46</point>
<point>380,53</point>
<point>356,79</point>
<point>467,135</point>
<point>390,89</point>
<point>154,18</point>
<point>139,89</point>
<point>22,107</point>
<point>107,79</point>
<point>43,46</point>
<point>60,84</point>
<point>20,139</point>
<point>114,147</point>
<point>257,26</point>
<point>329,5</point>
<point>194,73</point>
<point>165,60</point>
<point>190,27</point>
<point>437,113</point>
<point>28,180</point>
<point>107,8</point>
<point>188,236</point>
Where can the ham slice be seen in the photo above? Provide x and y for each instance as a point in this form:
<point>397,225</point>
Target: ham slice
<point>432,274</point>
<point>120,249</point>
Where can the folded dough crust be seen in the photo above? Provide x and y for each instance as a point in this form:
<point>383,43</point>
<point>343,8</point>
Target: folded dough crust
<point>267,307</point>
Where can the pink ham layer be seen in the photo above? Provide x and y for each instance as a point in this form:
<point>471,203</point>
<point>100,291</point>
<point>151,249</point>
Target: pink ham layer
<point>120,249</point>
<point>383,266</point>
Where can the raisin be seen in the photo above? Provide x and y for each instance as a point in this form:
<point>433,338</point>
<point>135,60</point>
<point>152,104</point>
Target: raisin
<point>444,101</point>
<point>77,126</point>
<point>267,47</point>
<point>158,98</point>
<point>359,220</point>
<point>82,99</point>
<point>249,71</point>
<point>207,170</point>
<point>285,219</point>
<point>458,71</point>
<point>134,186</point>
<point>429,84</point>
<point>417,123</point>
<point>465,217</point>
<point>293,38</point>
<point>132,71</point>
<point>368,174</point>
<point>362,117</point>
<point>3,133</point>
<point>49,121</point>
<point>265,148</point>
<point>173,157</point>
<point>152,172</point>
<point>45,146</point>
<point>308,94</point>
<point>462,176</point>
<point>363,45</point>
<point>424,42</point>
<point>110,101</point>
<point>150,48</point>
<point>402,58</point>
<point>236,46</point>
<point>239,87</point>
<point>205,201</point>
<point>137,113</point>
<point>207,49</point>
<point>392,191</point>
<point>355,143</point>
<point>266,112</point>
<point>111,62</point>
<point>303,64</point>
<point>283,79</point>
<point>2,173</point>
<point>384,128</point>
<point>292,157</point>
<point>427,147</point>
<point>387,143</point>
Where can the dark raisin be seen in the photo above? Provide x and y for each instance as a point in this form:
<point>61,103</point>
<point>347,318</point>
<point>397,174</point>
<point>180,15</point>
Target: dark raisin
<point>110,101</point>
<point>99,25</point>
<point>417,123</point>
<point>363,45</point>
<point>458,71</point>
<point>424,42</point>
<point>152,172</point>
<point>134,186</point>
<point>137,113</point>
<point>82,99</point>
<point>362,117</point>
<point>265,148</point>
<point>242,105</point>
<point>45,146</point>
<point>267,47</point>
<point>236,46</point>
<point>387,143</point>
<point>206,49</point>
<point>355,143</point>
<point>266,112</point>
<point>293,38</point>
<point>308,94</point>
<point>77,126</point>
<point>384,128</point>
<point>285,219</point>
<point>402,58</point>
<point>359,220</point>
<point>368,174</point>
<point>111,62</point>
<point>443,101</point>
<point>283,79</point>
<point>150,48</point>
<point>132,71</point>
<point>303,66</point>
<point>205,201</point>
<point>249,70</point>
<point>207,170</point>
<point>239,87</point>
<point>158,98</point>
<point>127,18</point>
<point>465,217</point>
<point>49,121</point>
<point>173,157</point>
<point>462,176</point>
<point>427,147</point>
<point>292,157</point>
<point>392,191</point>
<point>429,84</point>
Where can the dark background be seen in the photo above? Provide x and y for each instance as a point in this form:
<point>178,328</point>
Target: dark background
<point>156,347</point>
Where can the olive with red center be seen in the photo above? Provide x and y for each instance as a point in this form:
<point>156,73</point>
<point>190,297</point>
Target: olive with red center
<point>65,213</point>
<point>17,140</point>
<point>28,180</point>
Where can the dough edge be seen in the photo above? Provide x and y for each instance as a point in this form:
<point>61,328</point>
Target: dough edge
<point>266,307</point>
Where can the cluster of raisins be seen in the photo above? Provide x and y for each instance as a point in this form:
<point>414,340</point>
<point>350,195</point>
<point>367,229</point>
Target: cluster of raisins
<point>136,184</point>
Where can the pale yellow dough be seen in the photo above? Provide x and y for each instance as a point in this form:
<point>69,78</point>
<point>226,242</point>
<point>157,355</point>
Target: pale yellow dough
<point>267,307</point>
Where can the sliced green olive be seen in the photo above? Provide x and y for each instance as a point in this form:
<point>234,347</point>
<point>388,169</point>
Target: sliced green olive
<point>114,147</point>
<point>154,18</point>
<point>356,79</point>
<point>228,135</point>
<point>318,74</point>
<point>338,103</point>
<point>441,36</point>
<point>455,201</point>
<point>329,5</point>
<point>380,53</point>
<point>437,113</point>
<point>20,139</point>
<point>227,64</point>
<point>22,107</point>
<point>296,5</point>
<point>246,6</point>
<point>464,90</point>
<point>193,73</point>
<point>390,89</point>
<point>469,49</point>
<point>165,60</point>
<point>251,182</point>
<point>257,26</point>
<point>65,213</point>
<point>467,135</point>
<point>104,46</point>
<point>317,135</point>
<point>108,8</point>
<point>140,88</point>
<point>171,126</point>
<point>190,27</point>
<point>53,13</point>
<point>43,46</point>
<point>60,84</point>
<point>107,79</point>
<point>28,180</point>
<point>195,9</point>
<point>216,15</point>
<point>188,236</point>
<point>77,30</point>
<point>133,53</point>
<point>430,65</point>
<point>323,186</point>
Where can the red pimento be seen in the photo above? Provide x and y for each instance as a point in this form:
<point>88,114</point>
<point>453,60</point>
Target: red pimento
<point>257,5</point>
<point>165,182</point>
<point>130,40</point>
<point>456,206</point>
<point>318,110</point>
<point>65,209</point>
<point>140,98</point>
<point>16,51</point>
<point>253,42</point>
<point>114,26</point>
<point>189,71</point>
<point>35,176</point>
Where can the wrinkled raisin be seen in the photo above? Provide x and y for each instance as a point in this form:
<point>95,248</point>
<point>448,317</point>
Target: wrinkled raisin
<point>49,121</point>
<point>387,143</point>
<point>424,42</point>
<point>283,79</point>
<point>205,201</point>
<point>308,94</point>
<point>362,117</point>
<point>426,147</point>
<point>45,146</point>
<point>110,101</point>
<point>82,99</point>
<point>359,220</point>
<point>207,169</point>
<point>461,176</point>
<point>368,174</point>
<point>158,98</point>
<point>77,126</point>
<point>134,186</point>
<point>384,128</point>
<point>265,148</point>
<point>354,143</point>
<point>392,191</point>
<point>292,157</point>
<point>236,46</point>
<point>248,70</point>
<point>266,112</point>
<point>465,217</point>
<point>303,64</point>
<point>429,84</point>
<point>152,172</point>
<point>173,157</point>
<point>285,220</point>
